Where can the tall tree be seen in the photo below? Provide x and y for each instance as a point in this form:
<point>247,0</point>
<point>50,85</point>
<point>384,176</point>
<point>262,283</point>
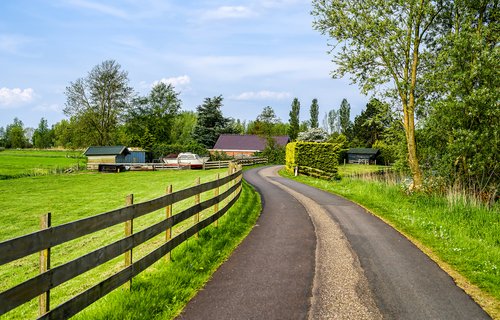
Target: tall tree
<point>99,100</point>
<point>334,120</point>
<point>62,134</point>
<point>314,111</point>
<point>211,122</point>
<point>14,133</point>
<point>383,42</point>
<point>345,116</point>
<point>153,116</point>
<point>42,137</point>
<point>183,126</point>
<point>461,132</point>
<point>294,121</point>
<point>370,125</point>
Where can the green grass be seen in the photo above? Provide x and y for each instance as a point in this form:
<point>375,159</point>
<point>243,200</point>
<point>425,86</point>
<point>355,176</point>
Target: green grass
<point>22,163</point>
<point>74,196</point>
<point>357,169</point>
<point>465,236</point>
<point>164,290</point>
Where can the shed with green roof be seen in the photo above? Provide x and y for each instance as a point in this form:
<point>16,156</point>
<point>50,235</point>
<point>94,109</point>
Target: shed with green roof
<point>362,155</point>
<point>105,155</point>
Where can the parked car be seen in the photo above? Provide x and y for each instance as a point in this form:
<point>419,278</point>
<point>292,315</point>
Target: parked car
<point>186,159</point>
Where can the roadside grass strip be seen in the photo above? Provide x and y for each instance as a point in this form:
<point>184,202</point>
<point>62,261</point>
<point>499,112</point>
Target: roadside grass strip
<point>463,238</point>
<point>162,291</point>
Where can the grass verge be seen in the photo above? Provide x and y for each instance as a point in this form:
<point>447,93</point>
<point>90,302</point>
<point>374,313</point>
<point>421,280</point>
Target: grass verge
<point>75,196</point>
<point>162,291</point>
<point>24,163</point>
<point>463,239</point>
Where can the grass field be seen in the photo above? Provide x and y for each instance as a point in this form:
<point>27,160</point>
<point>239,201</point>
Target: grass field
<point>22,163</point>
<point>463,235</point>
<point>358,169</point>
<point>74,196</point>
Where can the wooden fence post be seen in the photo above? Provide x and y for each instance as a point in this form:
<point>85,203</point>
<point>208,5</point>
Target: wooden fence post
<point>129,229</point>
<point>168,211</point>
<point>196,202</point>
<point>216,206</point>
<point>44,298</point>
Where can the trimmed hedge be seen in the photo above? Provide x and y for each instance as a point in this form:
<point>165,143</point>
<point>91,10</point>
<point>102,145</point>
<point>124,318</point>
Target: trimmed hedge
<point>313,159</point>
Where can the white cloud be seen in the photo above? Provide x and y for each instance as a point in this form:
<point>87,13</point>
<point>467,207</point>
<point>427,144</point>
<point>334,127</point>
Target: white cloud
<point>14,97</point>
<point>228,12</point>
<point>262,95</point>
<point>175,81</point>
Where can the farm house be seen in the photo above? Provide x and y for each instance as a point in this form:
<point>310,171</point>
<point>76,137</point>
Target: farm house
<point>245,145</point>
<point>362,155</point>
<point>100,156</point>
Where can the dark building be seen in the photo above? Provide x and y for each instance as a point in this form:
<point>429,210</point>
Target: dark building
<point>362,155</point>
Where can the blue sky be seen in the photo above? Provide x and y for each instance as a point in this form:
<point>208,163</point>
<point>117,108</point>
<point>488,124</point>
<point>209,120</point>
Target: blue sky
<point>255,53</point>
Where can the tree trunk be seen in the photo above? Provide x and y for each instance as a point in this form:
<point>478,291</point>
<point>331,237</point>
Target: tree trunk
<point>409,112</point>
<point>409,123</point>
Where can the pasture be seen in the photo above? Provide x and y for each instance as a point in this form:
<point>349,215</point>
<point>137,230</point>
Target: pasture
<point>71,197</point>
<point>22,163</point>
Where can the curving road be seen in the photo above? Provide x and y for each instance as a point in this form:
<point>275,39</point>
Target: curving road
<point>313,255</point>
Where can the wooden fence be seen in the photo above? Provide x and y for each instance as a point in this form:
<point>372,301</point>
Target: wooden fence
<point>50,236</point>
<point>224,164</point>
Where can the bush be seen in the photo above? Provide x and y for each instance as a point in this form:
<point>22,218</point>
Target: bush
<point>220,156</point>
<point>273,152</point>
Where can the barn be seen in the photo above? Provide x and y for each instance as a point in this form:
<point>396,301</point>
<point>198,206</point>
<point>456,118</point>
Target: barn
<point>362,155</point>
<point>244,145</point>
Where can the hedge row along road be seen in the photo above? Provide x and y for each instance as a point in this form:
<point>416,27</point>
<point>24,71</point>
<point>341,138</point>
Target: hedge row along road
<point>318,256</point>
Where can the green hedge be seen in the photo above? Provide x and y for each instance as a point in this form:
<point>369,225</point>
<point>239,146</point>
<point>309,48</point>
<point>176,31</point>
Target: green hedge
<point>312,158</point>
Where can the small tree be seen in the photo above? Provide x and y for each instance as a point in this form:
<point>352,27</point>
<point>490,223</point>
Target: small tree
<point>267,118</point>
<point>42,137</point>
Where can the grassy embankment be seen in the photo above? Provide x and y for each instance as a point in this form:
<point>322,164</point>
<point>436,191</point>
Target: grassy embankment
<point>24,163</point>
<point>463,237</point>
<point>74,196</point>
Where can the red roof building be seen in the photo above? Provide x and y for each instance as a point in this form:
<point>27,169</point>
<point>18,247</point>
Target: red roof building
<point>244,145</point>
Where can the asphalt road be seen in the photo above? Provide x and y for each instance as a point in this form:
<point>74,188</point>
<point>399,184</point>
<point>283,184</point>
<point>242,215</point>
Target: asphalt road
<point>272,274</point>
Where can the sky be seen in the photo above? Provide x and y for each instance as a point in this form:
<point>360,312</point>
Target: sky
<point>255,53</point>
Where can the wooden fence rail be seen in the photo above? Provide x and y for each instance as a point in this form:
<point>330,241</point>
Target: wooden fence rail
<point>224,164</point>
<point>43,240</point>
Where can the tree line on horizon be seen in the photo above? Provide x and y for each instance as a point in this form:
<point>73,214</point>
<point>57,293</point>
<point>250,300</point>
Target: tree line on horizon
<point>103,110</point>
